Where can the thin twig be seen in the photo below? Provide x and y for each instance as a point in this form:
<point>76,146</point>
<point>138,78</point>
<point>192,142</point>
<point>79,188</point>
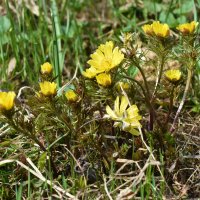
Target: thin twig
<point>106,189</point>
<point>189,78</point>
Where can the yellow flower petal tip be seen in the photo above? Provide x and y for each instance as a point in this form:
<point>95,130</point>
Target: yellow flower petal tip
<point>46,68</point>
<point>157,29</point>
<point>7,100</point>
<point>104,79</point>
<point>126,119</point>
<point>173,75</point>
<point>71,96</point>
<point>105,58</point>
<point>48,88</point>
<point>187,28</point>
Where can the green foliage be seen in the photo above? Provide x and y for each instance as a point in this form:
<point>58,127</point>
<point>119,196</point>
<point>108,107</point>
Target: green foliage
<point>73,146</point>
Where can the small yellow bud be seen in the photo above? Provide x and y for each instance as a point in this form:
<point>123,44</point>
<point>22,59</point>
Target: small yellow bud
<point>46,68</point>
<point>71,96</point>
<point>7,100</point>
<point>173,75</point>
<point>122,86</point>
<point>48,88</point>
<point>104,79</point>
<point>187,28</point>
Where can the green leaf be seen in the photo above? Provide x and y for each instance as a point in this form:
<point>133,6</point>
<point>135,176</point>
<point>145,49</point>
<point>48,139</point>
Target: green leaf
<point>185,8</point>
<point>182,19</point>
<point>153,6</point>
<point>196,109</point>
<point>132,71</point>
<point>4,24</point>
<point>169,138</point>
<point>42,161</point>
<point>4,27</point>
<point>168,18</point>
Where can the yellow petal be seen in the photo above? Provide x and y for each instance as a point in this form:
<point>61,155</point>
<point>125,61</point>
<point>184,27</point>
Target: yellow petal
<point>7,100</point>
<point>46,68</point>
<point>90,73</point>
<point>123,105</point>
<point>187,28</point>
<point>160,30</point>
<point>110,112</point>
<point>116,106</point>
<point>48,88</point>
<point>118,56</point>
<point>71,96</point>
<point>132,110</point>
<point>173,75</point>
<point>148,29</point>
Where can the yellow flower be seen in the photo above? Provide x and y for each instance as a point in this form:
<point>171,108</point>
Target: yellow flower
<point>104,79</point>
<point>126,119</point>
<point>160,30</point>
<point>157,29</point>
<point>173,75</point>
<point>122,86</point>
<point>48,88</point>
<point>71,96</point>
<point>104,59</point>
<point>7,100</point>
<point>148,29</point>
<point>46,68</point>
<point>187,28</point>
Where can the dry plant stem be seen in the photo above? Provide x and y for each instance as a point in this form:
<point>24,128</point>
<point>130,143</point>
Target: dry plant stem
<point>106,189</point>
<point>189,78</point>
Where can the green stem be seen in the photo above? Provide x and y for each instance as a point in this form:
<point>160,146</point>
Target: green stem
<point>160,72</point>
<point>189,78</point>
<point>144,78</point>
<point>151,109</point>
<point>170,104</point>
<point>138,83</point>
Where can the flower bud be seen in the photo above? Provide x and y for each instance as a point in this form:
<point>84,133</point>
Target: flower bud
<point>104,79</point>
<point>7,100</point>
<point>46,68</point>
<point>71,96</point>
<point>48,88</point>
